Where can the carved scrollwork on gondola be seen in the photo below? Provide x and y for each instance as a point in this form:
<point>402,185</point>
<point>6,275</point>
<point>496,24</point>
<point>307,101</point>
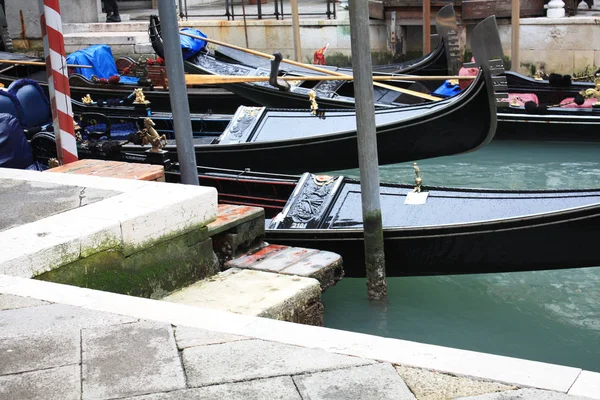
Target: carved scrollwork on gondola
<point>309,204</point>
<point>242,125</point>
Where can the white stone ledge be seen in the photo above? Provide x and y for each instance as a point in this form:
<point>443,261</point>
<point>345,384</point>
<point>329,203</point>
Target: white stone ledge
<point>459,362</point>
<point>143,212</point>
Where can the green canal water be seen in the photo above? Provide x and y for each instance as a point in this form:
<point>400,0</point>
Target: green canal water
<point>549,316</point>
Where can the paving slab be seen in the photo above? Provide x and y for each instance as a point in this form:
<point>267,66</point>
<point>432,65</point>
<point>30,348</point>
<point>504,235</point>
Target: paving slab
<point>587,384</point>
<point>130,359</point>
<point>54,318</point>
<point>431,385</point>
<point>43,200</point>
<point>371,382</point>
<point>190,337</point>
<point>41,351</point>
<point>254,359</point>
<point>50,384</point>
<point>10,302</point>
<point>524,394</point>
<point>281,388</point>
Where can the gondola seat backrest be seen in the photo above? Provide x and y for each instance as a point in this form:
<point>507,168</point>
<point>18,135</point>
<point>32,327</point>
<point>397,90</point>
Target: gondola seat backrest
<point>9,104</point>
<point>15,151</point>
<point>35,104</point>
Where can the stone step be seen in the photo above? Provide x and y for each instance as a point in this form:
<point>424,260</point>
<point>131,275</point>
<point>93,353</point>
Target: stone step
<point>257,293</point>
<point>125,26</point>
<point>121,43</point>
<point>236,230</point>
<point>324,266</point>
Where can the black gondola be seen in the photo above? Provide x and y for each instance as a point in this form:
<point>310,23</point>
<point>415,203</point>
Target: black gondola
<point>453,231</point>
<point>548,121</point>
<point>292,141</point>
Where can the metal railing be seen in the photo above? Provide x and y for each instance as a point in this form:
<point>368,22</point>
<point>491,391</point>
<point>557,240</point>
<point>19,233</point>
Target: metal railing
<point>237,9</point>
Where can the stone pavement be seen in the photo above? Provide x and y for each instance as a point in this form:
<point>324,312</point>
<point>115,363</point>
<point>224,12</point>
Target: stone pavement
<point>54,350</point>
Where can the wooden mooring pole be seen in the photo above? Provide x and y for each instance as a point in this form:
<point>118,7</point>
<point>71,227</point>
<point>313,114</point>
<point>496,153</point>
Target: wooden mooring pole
<point>516,27</point>
<point>296,29</point>
<point>367,150</point>
<point>426,27</point>
<point>178,93</point>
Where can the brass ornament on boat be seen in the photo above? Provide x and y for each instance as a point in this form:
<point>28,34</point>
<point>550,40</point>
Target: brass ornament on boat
<point>418,179</point>
<point>87,99</point>
<point>312,97</point>
<point>321,180</point>
<point>593,92</point>
<point>139,96</point>
<point>150,136</point>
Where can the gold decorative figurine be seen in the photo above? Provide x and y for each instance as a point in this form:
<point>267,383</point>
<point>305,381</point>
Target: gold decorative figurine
<point>87,99</point>
<point>312,96</point>
<point>139,97</point>
<point>593,92</point>
<point>418,179</point>
<point>150,136</point>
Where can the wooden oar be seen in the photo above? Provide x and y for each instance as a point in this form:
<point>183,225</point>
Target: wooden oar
<point>39,63</point>
<point>198,79</point>
<point>311,67</point>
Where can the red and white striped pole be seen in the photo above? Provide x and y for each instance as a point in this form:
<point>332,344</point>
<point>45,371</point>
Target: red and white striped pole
<point>58,81</point>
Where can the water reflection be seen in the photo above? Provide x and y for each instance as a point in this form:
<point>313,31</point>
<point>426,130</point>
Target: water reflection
<point>551,316</point>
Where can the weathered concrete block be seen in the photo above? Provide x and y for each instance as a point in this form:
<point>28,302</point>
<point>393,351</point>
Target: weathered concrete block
<point>130,359</point>
<point>376,382</point>
<point>255,359</point>
<point>153,272</point>
<point>56,383</point>
<point>257,293</point>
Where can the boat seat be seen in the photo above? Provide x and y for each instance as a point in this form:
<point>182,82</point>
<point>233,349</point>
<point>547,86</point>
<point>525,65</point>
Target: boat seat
<point>35,104</point>
<point>9,104</point>
<point>521,98</point>
<point>15,151</point>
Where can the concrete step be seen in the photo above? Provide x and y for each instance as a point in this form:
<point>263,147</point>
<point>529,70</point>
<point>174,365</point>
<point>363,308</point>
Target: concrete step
<point>257,293</point>
<point>324,266</point>
<point>121,43</point>
<point>125,26</point>
<point>236,230</point>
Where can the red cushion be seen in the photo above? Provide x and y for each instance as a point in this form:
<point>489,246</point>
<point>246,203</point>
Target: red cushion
<point>587,104</point>
<point>522,98</point>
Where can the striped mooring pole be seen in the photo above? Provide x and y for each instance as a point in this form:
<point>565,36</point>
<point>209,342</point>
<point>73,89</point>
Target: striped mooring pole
<point>58,81</point>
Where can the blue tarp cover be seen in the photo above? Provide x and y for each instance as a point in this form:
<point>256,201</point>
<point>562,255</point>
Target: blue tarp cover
<point>15,151</point>
<point>100,57</point>
<point>447,90</point>
<point>191,46</point>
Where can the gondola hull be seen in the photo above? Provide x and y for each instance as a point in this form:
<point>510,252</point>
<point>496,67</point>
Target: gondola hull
<point>288,141</point>
<point>544,243</point>
<point>455,231</point>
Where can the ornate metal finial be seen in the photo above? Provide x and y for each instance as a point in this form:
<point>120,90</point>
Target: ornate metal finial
<point>312,97</point>
<point>87,99</point>
<point>150,136</point>
<point>139,97</point>
<point>593,92</point>
<point>418,179</point>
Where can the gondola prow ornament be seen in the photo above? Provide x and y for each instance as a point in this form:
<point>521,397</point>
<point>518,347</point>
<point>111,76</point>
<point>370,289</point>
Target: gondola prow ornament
<point>418,179</point>
<point>150,136</point>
